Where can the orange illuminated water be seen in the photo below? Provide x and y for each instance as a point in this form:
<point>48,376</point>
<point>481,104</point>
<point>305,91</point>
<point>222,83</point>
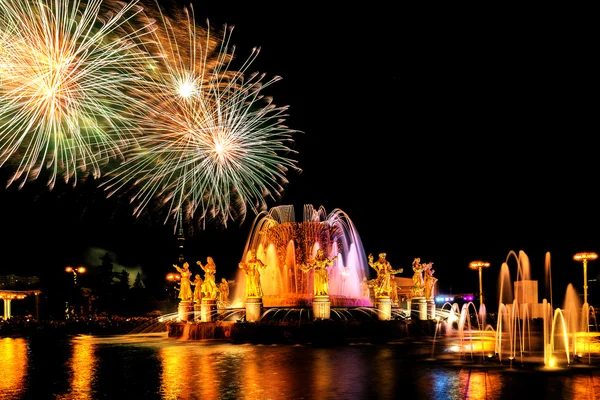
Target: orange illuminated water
<point>157,367</point>
<point>285,245</point>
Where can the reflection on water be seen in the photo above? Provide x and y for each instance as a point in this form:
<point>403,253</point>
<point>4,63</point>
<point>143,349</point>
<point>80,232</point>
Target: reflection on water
<point>81,369</point>
<point>156,367</point>
<point>175,372</point>
<point>13,365</point>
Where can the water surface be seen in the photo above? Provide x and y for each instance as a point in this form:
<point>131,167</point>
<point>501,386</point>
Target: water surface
<point>152,366</point>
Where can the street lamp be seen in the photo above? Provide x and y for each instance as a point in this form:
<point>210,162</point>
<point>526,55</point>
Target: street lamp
<point>75,271</point>
<point>173,278</point>
<point>585,257</point>
<point>479,265</point>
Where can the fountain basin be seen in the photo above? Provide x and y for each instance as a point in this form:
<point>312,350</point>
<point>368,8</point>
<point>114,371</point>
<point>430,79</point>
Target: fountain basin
<point>318,332</point>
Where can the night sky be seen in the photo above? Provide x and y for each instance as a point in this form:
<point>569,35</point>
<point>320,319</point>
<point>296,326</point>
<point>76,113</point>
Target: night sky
<point>443,134</point>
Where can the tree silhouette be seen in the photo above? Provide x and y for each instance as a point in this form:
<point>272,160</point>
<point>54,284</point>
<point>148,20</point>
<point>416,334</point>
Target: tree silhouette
<point>123,278</point>
<point>104,287</point>
<point>137,284</point>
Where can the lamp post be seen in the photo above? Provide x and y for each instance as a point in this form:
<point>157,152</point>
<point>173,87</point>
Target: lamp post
<point>75,271</point>
<point>173,278</point>
<point>479,265</point>
<point>584,257</point>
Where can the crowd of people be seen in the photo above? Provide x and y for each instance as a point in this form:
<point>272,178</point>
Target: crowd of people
<point>94,324</point>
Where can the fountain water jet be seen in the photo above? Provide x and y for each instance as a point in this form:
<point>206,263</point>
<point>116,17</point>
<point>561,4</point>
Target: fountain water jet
<point>526,330</point>
<point>284,245</point>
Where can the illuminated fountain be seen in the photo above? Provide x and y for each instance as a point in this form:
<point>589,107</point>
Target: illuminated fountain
<point>284,301</point>
<point>285,246</point>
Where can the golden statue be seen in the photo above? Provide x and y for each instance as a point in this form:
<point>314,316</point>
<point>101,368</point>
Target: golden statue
<point>197,289</point>
<point>253,286</point>
<point>321,277</point>
<point>430,281</point>
<point>418,287</point>
<point>209,287</point>
<point>383,283</point>
<point>418,273</point>
<point>185,287</point>
<point>224,292</point>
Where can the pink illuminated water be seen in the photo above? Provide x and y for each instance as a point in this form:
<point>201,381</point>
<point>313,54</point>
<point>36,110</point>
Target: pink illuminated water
<point>284,245</point>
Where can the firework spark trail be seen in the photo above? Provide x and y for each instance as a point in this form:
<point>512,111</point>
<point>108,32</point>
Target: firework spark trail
<point>66,70</point>
<point>213,146</point>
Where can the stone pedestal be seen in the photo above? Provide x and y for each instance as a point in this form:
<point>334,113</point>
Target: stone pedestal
<point>208,310</point>
<point>430,308</point>
<point>253,309</point>
<point>185,310</point>
<point>197,312</point>
<point>321,307</point>
<point>384,308</point>
<point>419,308</point>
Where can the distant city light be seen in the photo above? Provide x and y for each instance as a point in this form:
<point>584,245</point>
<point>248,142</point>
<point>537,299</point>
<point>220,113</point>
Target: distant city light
<point>451,298</point>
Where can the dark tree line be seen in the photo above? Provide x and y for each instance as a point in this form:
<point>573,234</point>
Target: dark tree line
<point>111,292</point>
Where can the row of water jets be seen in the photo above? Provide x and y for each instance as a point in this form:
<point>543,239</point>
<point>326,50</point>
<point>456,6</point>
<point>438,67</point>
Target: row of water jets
<point>521,331</point>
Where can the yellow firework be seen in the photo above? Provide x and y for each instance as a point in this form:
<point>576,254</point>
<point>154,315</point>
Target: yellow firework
<point>67,70</point>
<point>213,145</point>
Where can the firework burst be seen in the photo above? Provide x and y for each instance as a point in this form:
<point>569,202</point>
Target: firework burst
<point>213,145</point>
<point>66,69</point>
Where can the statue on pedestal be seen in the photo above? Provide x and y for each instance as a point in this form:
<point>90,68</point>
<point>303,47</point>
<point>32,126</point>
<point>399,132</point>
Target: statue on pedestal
<point>185,287</point>
<point>430,281</point>
<point>422,286</point>
<point>251,268</point>
<point>209,287</point>
<point>383,283</point>
<point>224,292</point>
<point>197,283</point>
<point>321,276</point>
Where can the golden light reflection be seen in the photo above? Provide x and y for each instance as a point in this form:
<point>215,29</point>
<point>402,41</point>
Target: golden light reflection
<point>177,379</point>
<point>82,369</point>
<point>385,373</point>
<point>587,342</point>
<point>251,375</point>
<point>580,387</point>
<point>206,367</point>
<point>256,368</point>
<point>476,342</point>
<point>13,365</point>
<point>479,384</point>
